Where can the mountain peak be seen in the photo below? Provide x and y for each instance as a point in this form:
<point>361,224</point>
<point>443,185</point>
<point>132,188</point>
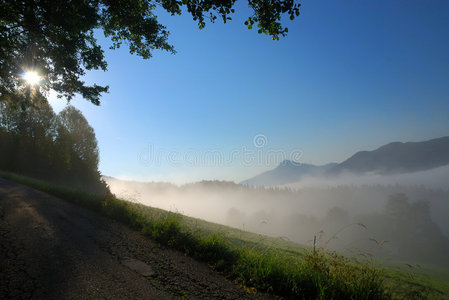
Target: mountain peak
<point>395,157</point>
<point>287,172</point>
<point>399,157</point>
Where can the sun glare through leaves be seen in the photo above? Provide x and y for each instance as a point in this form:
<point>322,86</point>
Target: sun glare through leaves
<point>31,77</point>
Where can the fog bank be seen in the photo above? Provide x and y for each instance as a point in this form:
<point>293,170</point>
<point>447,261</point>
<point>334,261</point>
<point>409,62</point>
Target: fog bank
<point>391,216</point>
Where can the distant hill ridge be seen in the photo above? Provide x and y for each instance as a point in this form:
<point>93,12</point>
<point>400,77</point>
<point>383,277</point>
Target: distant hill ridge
<point>288,172</point>
<point>392,158</point>
<point>399,157</point>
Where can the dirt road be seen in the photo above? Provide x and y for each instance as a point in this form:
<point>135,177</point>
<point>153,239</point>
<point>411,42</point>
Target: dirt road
<point>51,249</point>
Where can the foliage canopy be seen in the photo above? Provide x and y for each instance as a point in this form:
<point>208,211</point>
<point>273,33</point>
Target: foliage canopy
<point>56,38</point>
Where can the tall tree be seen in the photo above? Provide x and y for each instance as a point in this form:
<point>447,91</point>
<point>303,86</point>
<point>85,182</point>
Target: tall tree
<point>27,139</point>
<point>61,148</point>
<point>56,38</point>
<point>74,128</point>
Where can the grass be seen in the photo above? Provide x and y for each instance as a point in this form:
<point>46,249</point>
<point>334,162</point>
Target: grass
<point>257,262</point>
<point>408,281</point>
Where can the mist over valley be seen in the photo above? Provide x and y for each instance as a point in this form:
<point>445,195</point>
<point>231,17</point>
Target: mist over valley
<point>392,215</point>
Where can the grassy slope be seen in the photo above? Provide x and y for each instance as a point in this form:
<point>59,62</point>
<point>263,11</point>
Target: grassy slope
<point>404,280</point>
<point>261,262</point>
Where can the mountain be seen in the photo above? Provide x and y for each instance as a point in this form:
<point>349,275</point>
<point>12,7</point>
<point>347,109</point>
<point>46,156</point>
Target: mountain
<point>287,172</point>
<point>393,158</point>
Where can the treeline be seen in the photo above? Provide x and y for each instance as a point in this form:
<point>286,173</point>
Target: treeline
<point>61,148</point>
<point>401,230</point>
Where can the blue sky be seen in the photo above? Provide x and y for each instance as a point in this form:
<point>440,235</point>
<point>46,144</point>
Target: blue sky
<point>350,75</point>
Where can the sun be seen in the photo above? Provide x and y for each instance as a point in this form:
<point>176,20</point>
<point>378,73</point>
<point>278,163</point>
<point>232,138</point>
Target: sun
<point>31,77</point>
